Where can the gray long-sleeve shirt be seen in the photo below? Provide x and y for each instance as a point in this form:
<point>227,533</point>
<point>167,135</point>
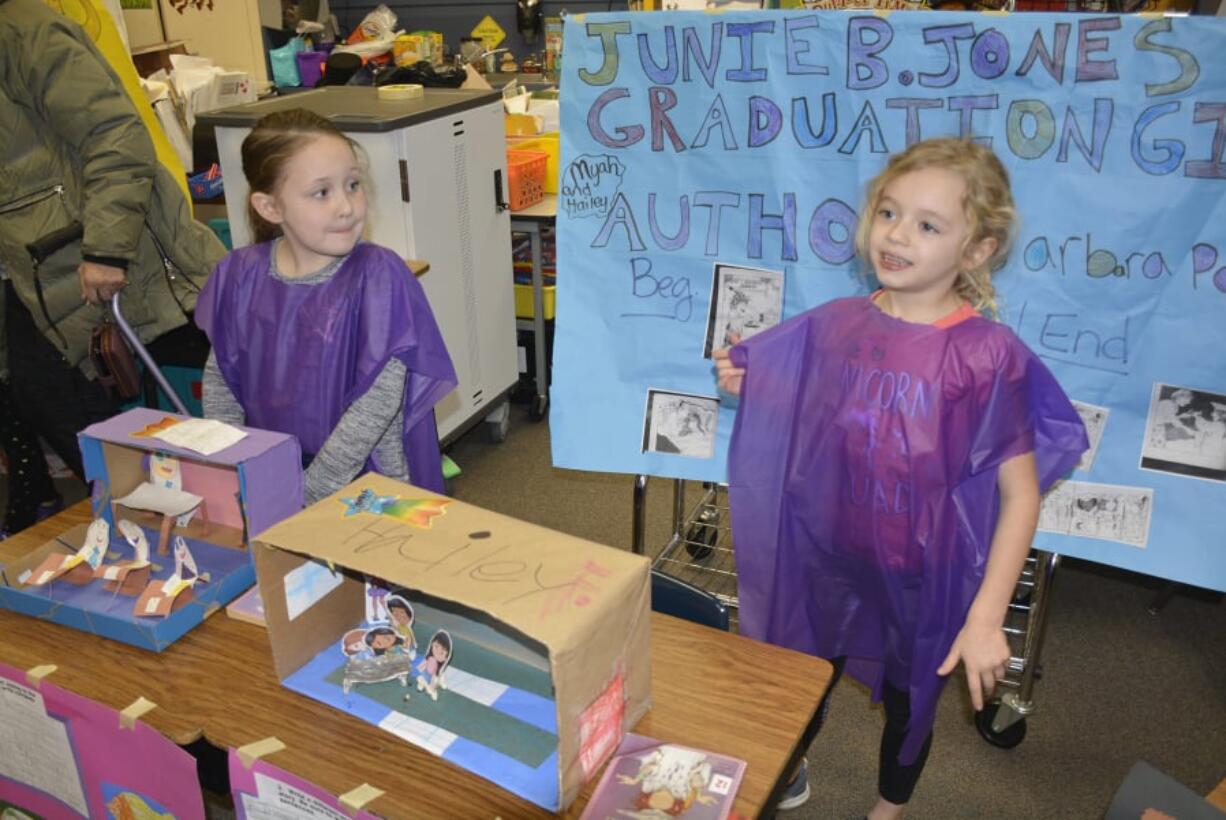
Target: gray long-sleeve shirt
<point>373,423</point>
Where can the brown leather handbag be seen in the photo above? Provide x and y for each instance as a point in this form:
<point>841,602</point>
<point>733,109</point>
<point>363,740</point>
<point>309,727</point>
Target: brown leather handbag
<point>113,360</point>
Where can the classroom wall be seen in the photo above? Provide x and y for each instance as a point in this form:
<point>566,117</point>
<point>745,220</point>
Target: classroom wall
<point>456,18</point>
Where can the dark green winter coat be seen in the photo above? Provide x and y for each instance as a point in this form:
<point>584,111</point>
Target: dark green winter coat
<point>72,147</point>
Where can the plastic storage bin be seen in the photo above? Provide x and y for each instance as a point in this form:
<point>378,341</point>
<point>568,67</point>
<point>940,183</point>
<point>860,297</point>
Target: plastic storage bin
<point>526,178</point>
<point>523,301</point>
<point>549,143</point>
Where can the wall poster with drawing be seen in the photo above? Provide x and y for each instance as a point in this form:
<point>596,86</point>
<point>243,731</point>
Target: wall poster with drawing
<point>712,168</point>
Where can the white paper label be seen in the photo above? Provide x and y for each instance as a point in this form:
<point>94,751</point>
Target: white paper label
<point>281,801</point>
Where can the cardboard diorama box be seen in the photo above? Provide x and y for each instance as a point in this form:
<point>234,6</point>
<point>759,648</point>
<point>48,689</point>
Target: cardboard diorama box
<point>516,652</point>
<point>169,541</point>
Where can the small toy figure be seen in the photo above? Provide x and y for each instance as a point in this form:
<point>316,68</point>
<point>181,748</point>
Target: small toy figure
<point>79,567</point>
<point>431,668</point>
<point>400,614</point>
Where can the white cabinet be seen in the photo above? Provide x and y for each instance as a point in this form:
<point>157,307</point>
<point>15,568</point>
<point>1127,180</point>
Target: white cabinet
<point>433,168</point>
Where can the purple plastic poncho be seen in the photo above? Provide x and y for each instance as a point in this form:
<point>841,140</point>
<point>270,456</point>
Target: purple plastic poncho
<point>296,356</point>
<point>862,479</point>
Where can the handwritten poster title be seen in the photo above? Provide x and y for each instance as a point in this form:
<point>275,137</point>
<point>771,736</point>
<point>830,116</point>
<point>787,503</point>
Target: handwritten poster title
<point>642,77</point>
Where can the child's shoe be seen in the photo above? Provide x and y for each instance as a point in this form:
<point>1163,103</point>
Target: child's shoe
<point>796,794</point>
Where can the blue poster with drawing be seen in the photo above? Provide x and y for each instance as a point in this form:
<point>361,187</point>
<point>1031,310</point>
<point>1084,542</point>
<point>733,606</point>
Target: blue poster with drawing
<point>712,168</point>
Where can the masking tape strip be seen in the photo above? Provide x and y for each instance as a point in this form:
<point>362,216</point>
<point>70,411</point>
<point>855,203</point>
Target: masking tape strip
<point>400,91</point>
<point>35,676</point>
<point>252,752</point>
<point>882,13</point>
<point>995,12</point>
<point>357,798</point>
<point>1151,15</point>
<point>136,709</point>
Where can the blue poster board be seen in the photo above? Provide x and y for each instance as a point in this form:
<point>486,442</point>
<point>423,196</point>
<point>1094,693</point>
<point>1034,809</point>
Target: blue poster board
<point>744,140</point>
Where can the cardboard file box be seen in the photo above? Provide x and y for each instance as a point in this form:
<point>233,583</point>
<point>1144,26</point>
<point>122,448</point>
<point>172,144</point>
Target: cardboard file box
<point>246,488</point>
<point>547,658</point>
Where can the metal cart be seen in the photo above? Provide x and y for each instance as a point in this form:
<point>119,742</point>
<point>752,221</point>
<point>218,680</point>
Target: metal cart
<point>699,551</point>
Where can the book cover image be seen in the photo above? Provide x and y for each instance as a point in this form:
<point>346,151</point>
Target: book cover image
<point>647,778</point>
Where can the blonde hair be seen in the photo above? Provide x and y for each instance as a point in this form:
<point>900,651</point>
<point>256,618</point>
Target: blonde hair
<point>987,207</point>
<point>272,143</point>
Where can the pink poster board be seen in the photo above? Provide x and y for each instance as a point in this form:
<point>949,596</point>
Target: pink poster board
<point>264,792</point>
<point>63,755</point>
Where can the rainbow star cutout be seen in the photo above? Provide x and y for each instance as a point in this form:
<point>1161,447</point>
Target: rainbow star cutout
<point>417,512</point>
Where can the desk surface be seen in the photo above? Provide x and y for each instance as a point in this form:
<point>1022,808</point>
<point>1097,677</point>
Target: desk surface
<point>217,682</point>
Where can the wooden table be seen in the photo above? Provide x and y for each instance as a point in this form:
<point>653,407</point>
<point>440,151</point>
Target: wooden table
<point>1217,797</point>
<point>217,683</point>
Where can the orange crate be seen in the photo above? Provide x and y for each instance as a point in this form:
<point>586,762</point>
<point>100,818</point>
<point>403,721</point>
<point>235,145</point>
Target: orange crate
<point>526,177</point>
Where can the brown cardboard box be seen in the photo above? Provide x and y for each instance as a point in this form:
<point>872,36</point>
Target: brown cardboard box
<point>522,603</point>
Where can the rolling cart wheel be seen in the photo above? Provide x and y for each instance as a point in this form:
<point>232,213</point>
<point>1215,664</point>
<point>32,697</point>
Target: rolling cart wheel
<point>701,536</point>
<point>1013,734</point>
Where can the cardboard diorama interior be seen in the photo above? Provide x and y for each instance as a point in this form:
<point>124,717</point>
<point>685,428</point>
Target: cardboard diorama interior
<point>105,608</point>
<point>550,658</point>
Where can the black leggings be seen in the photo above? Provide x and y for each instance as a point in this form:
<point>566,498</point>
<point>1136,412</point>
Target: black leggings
<point>895,782</point>
<point>53,398</point>
<point>29,480</point>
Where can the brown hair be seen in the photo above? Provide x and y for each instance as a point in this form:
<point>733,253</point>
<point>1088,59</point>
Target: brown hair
<point>270,145</point>
<point>987,206</point>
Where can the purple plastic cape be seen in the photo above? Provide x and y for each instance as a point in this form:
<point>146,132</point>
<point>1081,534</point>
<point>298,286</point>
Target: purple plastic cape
<point>296,356</point>
<point>862,479</point>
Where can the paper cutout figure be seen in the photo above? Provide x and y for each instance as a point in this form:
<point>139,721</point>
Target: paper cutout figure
<point>354,643</point>
<point>417,512</point>
<point>79,567</point>
<point>375,656</point>
<point>163,494</point>
<point>383,640</point>
<point>400,615</point>
<point>431,669</point>
<point>128,577</point>
<point>164,471</point>
<point>376,600</point>
<point>160,598</point>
